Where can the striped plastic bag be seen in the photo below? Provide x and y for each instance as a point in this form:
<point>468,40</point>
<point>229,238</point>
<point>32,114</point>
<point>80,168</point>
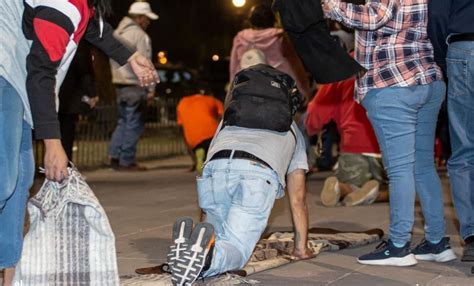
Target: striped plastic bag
<point>70,241</point>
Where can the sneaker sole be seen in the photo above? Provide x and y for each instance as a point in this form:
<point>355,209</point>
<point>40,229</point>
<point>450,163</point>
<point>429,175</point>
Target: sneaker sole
<point>189,265</point>
<point>330,194</point>
<point>182,229</point>
<point>408,260</point>
<point>445,256</point>
<point>366,195</point>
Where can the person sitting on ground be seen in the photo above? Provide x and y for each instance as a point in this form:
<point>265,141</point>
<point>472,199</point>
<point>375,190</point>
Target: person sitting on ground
<point>263,43</point>
<point>360,172</point>
<point>199,116</point>
<point>247,169</point>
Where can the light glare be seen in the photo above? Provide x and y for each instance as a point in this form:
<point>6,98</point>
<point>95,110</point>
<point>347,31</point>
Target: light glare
<point>239,3</point>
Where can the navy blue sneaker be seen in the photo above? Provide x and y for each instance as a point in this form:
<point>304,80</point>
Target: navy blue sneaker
<point>439,252</point>
<point>388,254</point>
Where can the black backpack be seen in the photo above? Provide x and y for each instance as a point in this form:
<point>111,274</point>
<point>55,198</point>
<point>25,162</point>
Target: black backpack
<point>262,97</point>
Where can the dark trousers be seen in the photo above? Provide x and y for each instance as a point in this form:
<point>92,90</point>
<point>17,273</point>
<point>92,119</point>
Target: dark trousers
<point>67,124</point>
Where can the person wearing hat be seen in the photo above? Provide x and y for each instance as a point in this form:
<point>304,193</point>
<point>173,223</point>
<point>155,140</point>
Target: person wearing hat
<point>131,97</point>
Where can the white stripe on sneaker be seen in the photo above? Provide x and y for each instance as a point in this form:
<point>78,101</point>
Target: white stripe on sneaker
<point>445,256</point>
<point>408,260</point>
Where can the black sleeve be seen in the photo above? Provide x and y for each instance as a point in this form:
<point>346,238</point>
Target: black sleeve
<point>107,42</point>
<point>50,35</point>
<point>438,20</point>
<point>40,85</point>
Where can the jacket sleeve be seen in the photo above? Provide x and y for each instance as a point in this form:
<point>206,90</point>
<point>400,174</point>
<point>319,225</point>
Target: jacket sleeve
<point>50,36</point>
<point>107,42</point>
<point>371,16</point>
<point>322,108</point>
<point>438,20</point>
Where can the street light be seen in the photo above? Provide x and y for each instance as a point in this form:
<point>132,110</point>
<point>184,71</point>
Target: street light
<point>239,3</point>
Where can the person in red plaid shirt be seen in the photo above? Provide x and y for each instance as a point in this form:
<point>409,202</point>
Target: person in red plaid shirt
<point>402,92</point>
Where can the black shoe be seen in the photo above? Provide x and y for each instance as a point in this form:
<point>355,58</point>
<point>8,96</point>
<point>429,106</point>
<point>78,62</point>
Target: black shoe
<point>388,254</point>
<point>113,163</point>
<point>182,229</point>
<point>439,252</point>
<point>131,168</point>
<point>468,252</point>
<point>189,266</point>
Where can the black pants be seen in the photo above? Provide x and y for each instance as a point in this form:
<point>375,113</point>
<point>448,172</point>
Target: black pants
<point>68,131</point>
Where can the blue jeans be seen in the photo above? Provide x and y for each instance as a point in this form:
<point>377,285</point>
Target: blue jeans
<point>130,125</point>
<point>404,120</point>
<point>17,171</point>
<point>237,196</point>
<point>460,63</point>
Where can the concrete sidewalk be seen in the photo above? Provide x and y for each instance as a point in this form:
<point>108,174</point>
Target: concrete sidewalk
<point>142,207</point>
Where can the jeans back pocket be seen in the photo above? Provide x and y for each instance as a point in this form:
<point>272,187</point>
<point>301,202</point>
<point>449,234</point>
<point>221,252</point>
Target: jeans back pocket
<point>458,75</point>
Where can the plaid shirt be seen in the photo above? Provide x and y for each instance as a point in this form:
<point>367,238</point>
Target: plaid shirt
<point>391,42</point>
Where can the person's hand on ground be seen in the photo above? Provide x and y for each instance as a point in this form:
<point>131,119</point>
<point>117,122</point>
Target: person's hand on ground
<point>55,160</point>
<point>144,70</point>
<point>303,254</point>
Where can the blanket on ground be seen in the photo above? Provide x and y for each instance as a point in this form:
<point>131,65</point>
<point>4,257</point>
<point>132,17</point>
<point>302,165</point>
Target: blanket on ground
<point>274,250</point>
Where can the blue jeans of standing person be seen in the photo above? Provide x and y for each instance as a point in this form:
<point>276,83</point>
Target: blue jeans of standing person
<point>404,120</point>
<point>460,64</point>
<point>17,171</point>
<point>130,126</point>
<point>237,195</point>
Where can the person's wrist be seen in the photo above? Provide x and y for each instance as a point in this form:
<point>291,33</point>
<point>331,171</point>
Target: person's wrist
<point>51,143</point>
<point>133,56</point>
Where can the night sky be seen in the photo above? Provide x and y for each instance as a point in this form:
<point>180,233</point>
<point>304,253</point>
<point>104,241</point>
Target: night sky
<point>191,31</point>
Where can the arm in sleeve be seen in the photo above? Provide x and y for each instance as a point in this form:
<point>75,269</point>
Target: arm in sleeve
<point>50,37</point>
<point>438,20</point>
<point>107,43</point>
<point>299,161</point>
<point>371,16</point>
<point>322,108</point>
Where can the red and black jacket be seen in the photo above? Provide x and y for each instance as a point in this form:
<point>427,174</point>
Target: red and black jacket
<point>55,28</point>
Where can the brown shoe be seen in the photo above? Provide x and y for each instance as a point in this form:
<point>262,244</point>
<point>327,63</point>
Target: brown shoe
<point>132,168</point>
<point>365,195</point>
<point>331,193</point>
<point>159,269</point>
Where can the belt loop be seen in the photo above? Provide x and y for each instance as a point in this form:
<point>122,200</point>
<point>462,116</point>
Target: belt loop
<point>231,156</point>
<point>448,38</point>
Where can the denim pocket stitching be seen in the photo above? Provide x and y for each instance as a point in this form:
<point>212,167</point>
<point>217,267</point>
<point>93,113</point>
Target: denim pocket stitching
<point>462,87</point>
<point>259,188</point>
